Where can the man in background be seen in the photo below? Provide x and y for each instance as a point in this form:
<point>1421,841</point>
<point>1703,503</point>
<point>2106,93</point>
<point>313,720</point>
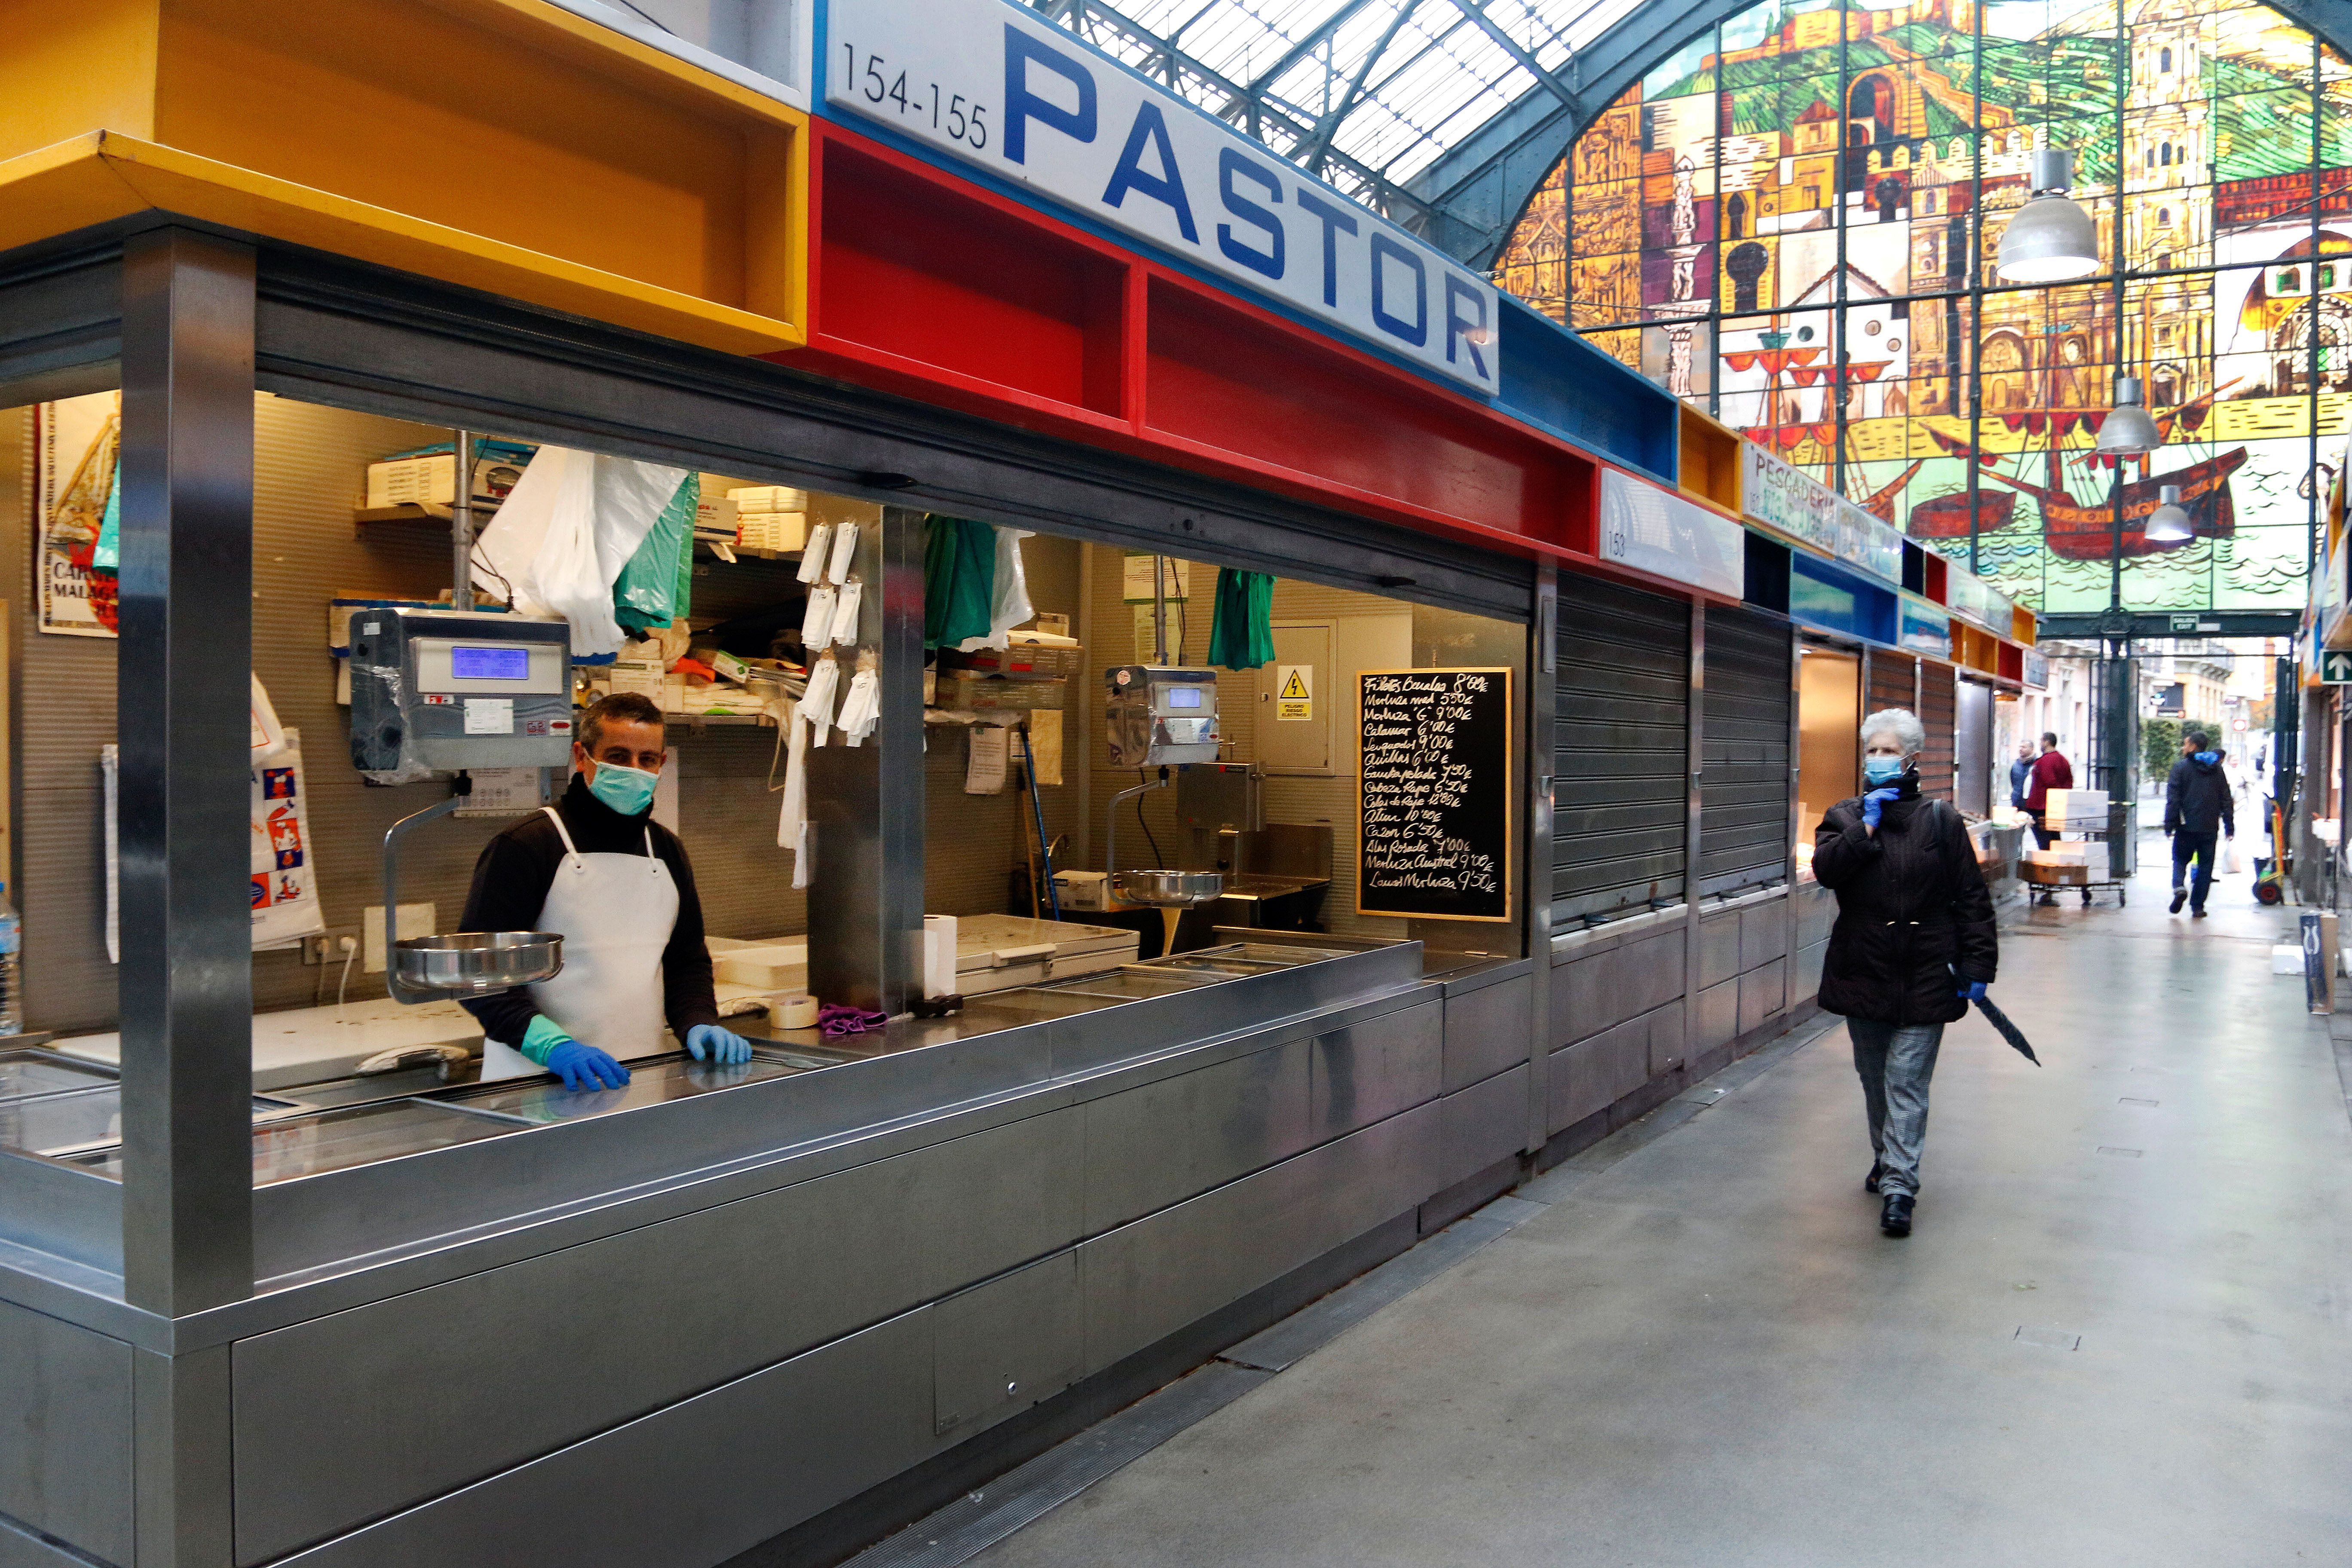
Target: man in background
<point>2019,773</point>
<point>2050,771</point>
<point>2198,809</point>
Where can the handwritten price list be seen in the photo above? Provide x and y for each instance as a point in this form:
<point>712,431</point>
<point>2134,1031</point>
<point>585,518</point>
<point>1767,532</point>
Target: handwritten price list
<point>1436,794</point>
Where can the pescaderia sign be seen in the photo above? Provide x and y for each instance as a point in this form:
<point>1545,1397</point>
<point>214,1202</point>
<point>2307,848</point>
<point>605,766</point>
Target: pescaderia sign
<point>988,83</point>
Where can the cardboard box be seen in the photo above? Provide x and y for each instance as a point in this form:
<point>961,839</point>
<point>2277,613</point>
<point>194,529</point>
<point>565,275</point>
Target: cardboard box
<point>2051,876</point>
<point>1022,661</point>
<point>1086,889</point>
<point>984,693</point>
<point>773,532</point>
<point>423,477</point>
<point>715,519</point>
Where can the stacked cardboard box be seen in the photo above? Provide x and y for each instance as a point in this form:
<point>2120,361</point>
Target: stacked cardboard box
<point>2077,809</point>
<point>771,519</point>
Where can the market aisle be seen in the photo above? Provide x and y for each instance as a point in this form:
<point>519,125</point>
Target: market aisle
<point>1707,1354</point>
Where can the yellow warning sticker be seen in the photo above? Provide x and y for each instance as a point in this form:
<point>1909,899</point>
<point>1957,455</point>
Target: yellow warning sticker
<point>1294,692</point>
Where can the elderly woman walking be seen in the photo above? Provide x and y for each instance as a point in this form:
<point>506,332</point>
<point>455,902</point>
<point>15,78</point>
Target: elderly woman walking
<point>1913,946</point>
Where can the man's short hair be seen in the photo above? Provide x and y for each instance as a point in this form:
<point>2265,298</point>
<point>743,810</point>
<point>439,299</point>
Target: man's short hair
<point>2197,740</point>
<point>625,706</point>
<point>2050,738</point>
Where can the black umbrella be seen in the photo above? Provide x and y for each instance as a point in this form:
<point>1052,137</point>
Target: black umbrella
<point>2008,1031</point>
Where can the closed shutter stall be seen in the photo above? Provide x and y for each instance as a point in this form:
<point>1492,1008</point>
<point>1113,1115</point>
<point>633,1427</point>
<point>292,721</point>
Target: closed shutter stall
<point>1620,798</point>
<point>1938,712</point>
<point>1894,682</point>
<point>1743,835</point>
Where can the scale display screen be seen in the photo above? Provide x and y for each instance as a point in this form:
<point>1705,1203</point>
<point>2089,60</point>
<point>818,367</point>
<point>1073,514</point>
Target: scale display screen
<point>497,663</point>
<point>1183,696</point>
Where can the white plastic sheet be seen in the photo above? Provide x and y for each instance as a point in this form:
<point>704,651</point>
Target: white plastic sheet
<point>565,531</point>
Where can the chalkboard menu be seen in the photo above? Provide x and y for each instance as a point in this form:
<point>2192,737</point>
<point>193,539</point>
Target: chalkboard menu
<point>1434,805</point>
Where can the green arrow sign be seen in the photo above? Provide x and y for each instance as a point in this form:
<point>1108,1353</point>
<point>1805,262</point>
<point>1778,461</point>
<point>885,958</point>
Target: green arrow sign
<point>2335,668</point>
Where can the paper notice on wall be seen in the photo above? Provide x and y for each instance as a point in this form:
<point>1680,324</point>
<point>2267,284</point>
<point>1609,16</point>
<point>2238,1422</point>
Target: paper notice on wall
<point>284,874</point>
<point>75,443</point>
<point>985,769</point>
<point>489,715</point>
<point>1046,743</point>
<point>1134,577</point>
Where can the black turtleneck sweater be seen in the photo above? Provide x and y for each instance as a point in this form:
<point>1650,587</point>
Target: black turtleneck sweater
<point>510,883</point>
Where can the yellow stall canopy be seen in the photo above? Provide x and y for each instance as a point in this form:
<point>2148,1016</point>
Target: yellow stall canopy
<point>504,145</point>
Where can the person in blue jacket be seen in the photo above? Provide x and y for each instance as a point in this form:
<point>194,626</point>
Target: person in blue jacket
<point>2198,810</point>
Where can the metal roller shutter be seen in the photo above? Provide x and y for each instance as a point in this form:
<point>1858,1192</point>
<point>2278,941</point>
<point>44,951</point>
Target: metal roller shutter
<point>1938,713</point>
<point>1743,833</point>
<point>1620,798</point>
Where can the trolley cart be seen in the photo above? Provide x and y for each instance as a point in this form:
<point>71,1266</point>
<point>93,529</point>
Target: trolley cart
<point>2115,834</point>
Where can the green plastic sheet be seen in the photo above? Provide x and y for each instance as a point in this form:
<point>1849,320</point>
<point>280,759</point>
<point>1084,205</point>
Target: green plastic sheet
<point>1241,625</point>
<point>656,586</point>
<point>959,580</point>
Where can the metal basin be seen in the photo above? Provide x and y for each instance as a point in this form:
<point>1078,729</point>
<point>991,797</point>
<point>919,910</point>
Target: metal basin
<point>1168,889</point>
<point>477,963</point>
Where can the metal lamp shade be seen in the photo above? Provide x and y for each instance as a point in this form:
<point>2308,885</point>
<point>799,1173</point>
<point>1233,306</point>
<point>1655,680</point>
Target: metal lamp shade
<point>2127,431</point>
<point>2168,523</point>
<point>2051,241</point>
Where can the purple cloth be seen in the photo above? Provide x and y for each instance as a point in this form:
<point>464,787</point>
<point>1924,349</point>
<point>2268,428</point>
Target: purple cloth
<point>836,1018</point>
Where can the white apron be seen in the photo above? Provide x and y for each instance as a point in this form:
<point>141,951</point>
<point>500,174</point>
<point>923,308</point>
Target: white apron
<point>614,913</point>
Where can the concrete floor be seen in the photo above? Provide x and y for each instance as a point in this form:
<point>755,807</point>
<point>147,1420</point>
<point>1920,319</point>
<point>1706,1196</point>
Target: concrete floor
<point>1707,1354</point>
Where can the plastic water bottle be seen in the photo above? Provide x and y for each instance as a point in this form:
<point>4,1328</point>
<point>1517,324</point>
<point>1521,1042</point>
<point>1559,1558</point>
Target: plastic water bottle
<point>12,943</point>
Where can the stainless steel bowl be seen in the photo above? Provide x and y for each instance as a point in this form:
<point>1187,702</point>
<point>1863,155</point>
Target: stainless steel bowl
<point>1168,889</point>
<point>477,963</point>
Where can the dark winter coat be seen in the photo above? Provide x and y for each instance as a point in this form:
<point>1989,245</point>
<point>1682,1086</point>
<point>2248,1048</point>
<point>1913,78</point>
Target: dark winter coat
<point>1912,909</point>
<point>2197,798</point>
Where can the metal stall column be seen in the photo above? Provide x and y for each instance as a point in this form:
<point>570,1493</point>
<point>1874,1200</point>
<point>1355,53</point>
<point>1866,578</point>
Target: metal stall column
<point>185,983</point>
<point>1543,701</point>
<point>866,802</point>
<point>1694,821</point>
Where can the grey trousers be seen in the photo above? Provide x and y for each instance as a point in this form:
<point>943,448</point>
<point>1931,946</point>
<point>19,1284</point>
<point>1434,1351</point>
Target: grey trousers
<point>1895,1065</point>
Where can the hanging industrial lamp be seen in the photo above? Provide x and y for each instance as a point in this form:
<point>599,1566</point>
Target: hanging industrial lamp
<point>2127,431</point>
<point>2050,240</point>
<point>2168,523</point>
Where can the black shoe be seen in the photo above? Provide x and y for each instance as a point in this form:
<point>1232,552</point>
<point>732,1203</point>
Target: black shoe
<point>2197,914</point>
<point>1895,1219</point>
<point>1870,1182</point>
<point>2180,897</point>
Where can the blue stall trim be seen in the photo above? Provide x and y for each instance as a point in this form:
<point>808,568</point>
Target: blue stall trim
<point>1561,384</point>
<point>1830,597</point>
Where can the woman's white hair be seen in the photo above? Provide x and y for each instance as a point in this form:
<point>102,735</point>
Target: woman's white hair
<point>1899,722</point>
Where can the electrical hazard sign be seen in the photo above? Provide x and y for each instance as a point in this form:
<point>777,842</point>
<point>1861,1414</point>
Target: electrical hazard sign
<point>1293,696</point>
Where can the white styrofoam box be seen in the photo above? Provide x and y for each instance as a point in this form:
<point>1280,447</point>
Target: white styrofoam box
<point>776,966</point>
<point>781,531</point>
<point>2075,808</point>
<point>2286,958</point>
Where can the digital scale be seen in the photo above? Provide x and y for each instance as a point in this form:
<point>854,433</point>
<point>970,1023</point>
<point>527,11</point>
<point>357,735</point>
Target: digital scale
<point>446,690</point>
<point>1161,715</point>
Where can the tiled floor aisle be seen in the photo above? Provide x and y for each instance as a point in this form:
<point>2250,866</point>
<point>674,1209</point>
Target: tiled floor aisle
<point>1708,1355</point>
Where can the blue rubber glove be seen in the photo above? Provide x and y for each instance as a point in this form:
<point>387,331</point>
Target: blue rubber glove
<point>580,1066</point>
<point>721,1048</point>
<point>1972,990</point>
<point>1875,803</point>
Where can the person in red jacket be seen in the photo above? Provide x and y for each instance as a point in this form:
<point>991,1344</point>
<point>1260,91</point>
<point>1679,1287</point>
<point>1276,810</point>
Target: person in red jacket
<point>2051,771</point>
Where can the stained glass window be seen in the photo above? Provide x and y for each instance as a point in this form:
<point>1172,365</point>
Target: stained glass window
<point>1793,223</point>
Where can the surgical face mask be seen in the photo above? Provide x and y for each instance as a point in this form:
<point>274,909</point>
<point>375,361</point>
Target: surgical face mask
<point>1880,772</point>
<point>626,790</point>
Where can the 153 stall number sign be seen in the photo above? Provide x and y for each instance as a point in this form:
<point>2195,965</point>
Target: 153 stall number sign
<point>873,79</point>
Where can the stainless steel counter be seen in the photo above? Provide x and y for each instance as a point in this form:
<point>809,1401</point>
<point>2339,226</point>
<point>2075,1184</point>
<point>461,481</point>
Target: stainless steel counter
<point>882,1243</point>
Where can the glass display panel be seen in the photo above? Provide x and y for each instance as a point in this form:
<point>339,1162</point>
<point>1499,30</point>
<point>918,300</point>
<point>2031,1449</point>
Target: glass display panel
<point>489,663</point>
<point>1806,187</point>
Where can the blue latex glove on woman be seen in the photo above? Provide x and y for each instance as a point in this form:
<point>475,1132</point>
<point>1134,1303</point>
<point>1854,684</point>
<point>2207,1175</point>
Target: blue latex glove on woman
<point>721,1048</point>
<point>1972,990</point>
<point>580,1066</point>
<point>1875,803</point>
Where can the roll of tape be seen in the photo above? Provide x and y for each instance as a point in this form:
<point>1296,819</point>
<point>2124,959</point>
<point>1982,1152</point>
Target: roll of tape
<point>793,1012</point>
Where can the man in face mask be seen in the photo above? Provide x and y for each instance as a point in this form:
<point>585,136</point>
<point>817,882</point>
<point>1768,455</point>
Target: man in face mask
<point>599,871</point>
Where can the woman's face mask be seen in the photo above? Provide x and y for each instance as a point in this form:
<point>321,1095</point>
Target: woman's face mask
<point>1881,766</point>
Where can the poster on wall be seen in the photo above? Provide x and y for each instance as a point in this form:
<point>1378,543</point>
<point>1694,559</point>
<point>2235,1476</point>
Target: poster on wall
<point>75,446</point>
